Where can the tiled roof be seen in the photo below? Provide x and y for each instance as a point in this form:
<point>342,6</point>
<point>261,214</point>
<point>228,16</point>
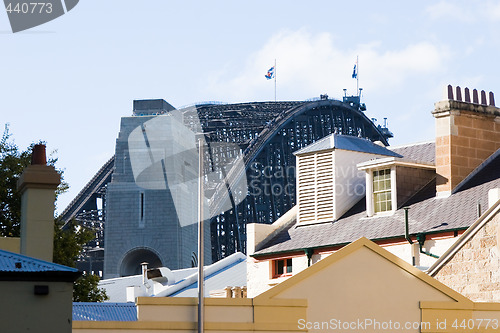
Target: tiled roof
<point>347,142</point>
<point>89,311</point>
<point>420,152</point>
<point>13,262</point>
<point>427,214</point>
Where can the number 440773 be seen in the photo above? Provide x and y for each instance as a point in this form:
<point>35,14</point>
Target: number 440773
<point>474,324</point>
<point>29,8</point>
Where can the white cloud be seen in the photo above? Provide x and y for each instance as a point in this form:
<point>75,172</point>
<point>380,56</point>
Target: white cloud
<point>466,12</point>
<point>451,10</point>
<point>311,64</point>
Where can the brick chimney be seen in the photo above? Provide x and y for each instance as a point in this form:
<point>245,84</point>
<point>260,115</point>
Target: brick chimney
<point>37,186</point>
<point>467,132</point>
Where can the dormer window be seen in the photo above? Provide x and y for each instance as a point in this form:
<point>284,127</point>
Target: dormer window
<point>383,193</point>
<point>382,199</point>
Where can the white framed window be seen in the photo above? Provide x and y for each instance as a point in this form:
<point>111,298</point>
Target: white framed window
<point>382,189</point>
<point>381,197</point>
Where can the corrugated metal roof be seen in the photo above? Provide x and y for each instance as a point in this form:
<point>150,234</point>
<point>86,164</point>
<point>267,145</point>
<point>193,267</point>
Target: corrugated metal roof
<point>90,311</point>
<point>14,262</point>
<point>232,275</point>
<point>116,287</point>
<point>230,271</point>
<point>347,142</point>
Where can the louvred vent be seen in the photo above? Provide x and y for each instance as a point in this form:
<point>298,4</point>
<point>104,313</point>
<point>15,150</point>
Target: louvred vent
<point>316,188</point>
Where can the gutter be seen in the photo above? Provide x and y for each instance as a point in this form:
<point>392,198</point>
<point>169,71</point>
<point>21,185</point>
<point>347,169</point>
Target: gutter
<point>421,241</point>
<point>407,236</point>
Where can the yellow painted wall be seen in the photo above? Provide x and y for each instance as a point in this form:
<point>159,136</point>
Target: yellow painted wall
<point>361,284</point>
<point>173,314</point>
<point>11,244</point>
<point>23,311</point>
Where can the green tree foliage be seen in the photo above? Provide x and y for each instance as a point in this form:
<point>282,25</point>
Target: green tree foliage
<point>68,244</point>
<point>68,241</point>
<point>12,164</point>
<point>86,289</point>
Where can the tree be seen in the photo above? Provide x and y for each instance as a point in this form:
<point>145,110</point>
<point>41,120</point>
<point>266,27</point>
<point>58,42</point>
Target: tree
<point>68,244</point>
<point>12,164</point>
<point>86,289</point>
<point>68,241</point>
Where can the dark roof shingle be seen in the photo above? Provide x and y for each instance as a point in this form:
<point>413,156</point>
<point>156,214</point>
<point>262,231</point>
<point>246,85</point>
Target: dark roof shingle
<point>427,214</point>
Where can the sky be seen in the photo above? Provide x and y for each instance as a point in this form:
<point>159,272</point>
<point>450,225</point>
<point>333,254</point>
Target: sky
<point>69,81</point>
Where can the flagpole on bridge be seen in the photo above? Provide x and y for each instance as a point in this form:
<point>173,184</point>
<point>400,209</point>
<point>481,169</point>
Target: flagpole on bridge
<point>357,76</point>
<point>275,74</point>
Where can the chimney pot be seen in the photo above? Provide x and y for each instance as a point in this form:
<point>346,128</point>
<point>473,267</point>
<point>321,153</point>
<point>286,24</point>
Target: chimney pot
<point>492,99</point>
<point>466,95</point>
<point>483,98</point>
<point>459,94</point>
<point>38,157</point>
<point>450,92</point>
<point>475,98</point>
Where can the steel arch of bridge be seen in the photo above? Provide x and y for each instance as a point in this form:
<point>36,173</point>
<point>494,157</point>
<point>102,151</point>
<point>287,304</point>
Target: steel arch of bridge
<point>268,133</point>
<point>270,167</point>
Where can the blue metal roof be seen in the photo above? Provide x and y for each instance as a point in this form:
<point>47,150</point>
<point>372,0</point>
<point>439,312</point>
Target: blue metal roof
<point>14,262</point>
<point>90,311</point>
<point>347,142</point>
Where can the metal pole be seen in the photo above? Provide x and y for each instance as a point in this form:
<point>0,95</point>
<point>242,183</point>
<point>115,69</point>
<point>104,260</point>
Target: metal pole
<point>275,74</point>
<point>201,277</point>
<point>357,75</point>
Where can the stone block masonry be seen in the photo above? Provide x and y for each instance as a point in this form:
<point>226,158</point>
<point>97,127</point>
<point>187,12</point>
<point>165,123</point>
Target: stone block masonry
<point>474,271</point>
<point>466,134</point>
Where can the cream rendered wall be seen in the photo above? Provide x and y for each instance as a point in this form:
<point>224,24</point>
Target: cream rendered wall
<point>23,311</point>
<point>259,271</point>
<point>349,182</point>
<point>437,247</point>
<point>361,286</point>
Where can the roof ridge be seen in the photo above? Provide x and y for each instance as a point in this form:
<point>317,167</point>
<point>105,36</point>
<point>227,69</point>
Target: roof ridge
<point>35,261</point>
<point>412,144</point>
<point>474,172</point>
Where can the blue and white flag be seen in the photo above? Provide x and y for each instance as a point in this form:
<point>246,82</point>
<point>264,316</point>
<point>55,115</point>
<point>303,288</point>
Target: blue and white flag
<point>270,73</point>
<point>355,71</point>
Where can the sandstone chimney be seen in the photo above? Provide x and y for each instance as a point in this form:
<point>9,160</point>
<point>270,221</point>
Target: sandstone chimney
<point>37,186</point>
<point>466,134</point>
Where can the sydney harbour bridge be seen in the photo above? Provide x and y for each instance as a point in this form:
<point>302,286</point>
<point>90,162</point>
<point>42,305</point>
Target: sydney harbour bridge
<point>267,133</point>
